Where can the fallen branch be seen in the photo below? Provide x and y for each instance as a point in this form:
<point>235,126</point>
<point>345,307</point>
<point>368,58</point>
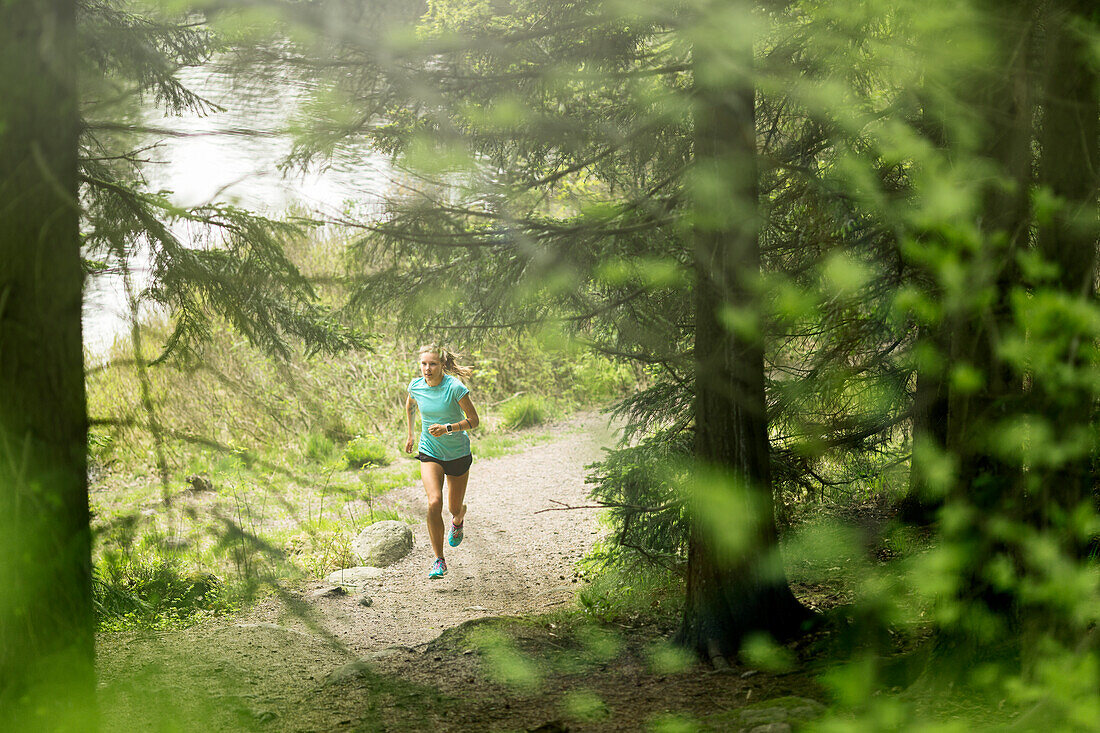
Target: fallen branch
<point>562,507</point>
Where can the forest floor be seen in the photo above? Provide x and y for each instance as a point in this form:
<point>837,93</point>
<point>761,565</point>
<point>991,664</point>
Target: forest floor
<point>499,643</point>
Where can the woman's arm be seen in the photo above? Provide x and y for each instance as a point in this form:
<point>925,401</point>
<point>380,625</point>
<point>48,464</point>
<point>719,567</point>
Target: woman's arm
<point>409,402</point>
<point>471,420</point>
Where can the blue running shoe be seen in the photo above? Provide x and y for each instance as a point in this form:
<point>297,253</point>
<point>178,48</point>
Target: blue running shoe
<point>454,535</point>
<point>439,568</point>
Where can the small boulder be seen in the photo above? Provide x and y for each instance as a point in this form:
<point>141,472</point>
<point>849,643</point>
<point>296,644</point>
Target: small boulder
<point>199,483</point>
<point>354,576</point>
<point>778,714</point>
<point>328,591</point>
<point>176,544</point>
<point>365,600</point>
<point>383,543</point>
<point>349,671</point>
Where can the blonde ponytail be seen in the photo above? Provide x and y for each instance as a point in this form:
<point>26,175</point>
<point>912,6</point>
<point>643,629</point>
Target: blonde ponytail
<point>449,359</point>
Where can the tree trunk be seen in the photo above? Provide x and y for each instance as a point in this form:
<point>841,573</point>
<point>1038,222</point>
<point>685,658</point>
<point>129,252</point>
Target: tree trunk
<point>731,594</point>
<point>45,602</point>
<point>989,485</point>
<point>920,504</point>
<point>1070,166</point>
<point>1006,107</point>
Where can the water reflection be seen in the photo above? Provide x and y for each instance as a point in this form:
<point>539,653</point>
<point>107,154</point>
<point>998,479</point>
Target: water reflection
<point>235,156</point>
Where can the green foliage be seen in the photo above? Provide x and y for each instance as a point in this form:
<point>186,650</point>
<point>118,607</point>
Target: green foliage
<point>156,592</point>
<point>596,379</point>
<point>318,447</point>
<point>525,411</point>
<point>505,663</point>
<point>585,706</point>
<point>547,367</point>
<point>322,549</point>
<point>927,235</point>
<point>674,723</point>
<point>365,452</point>
<point>640,485</point>
<point>621,593</point>
<point>762,652</point>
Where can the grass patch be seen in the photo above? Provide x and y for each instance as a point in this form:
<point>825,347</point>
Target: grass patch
<point>618,594</point>
<point>525,411</point>
<point>492,445</point>
<point>157,593</point>
<point>318,447</point>
<point>378,482</point>
<point>321,551</point>
<point>495,445</point>
<point>364,452</point>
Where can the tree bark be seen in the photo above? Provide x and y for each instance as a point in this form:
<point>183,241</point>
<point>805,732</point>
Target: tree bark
<point>1005,106</point>
<point>1070,166</point>
<point>920,505</point>
<point>45,576</point>
<point>989,486</point>
<point>731,594</point>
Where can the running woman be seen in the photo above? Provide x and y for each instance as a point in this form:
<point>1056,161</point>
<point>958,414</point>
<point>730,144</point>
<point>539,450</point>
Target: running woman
<point>446,413</point>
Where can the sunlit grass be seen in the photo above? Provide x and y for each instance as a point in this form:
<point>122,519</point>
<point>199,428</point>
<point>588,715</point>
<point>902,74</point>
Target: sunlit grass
<point>524,412</point>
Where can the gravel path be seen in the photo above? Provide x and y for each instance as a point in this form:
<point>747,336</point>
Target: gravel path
<point>511,560</point>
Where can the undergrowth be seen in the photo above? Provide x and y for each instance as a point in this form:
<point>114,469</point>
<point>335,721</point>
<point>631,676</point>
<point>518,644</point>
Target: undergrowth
<point>158,593</point>
<point>524,412</point>
<point>635,593</point>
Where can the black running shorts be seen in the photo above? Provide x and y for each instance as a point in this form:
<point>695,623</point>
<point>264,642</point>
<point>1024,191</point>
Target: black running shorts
<point>457,467</point>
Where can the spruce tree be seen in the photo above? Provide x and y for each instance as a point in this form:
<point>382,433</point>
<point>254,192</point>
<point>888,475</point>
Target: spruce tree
<point>45,564</point>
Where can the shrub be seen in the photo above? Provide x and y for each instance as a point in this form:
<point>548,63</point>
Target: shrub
<point>629,592</point>
<point>640,485</point>
<point>596,378</point>
<point>318,447</point>
<point>366,451</point>
<point>155,592</point>
<point>523,412</point>
<point>321,551</point>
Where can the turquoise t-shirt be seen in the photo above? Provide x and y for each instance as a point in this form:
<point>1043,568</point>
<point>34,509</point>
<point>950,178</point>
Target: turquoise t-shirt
<point>439,404</point>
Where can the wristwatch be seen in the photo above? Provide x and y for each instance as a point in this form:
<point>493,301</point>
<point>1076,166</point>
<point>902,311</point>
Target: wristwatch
<point>449,428</point>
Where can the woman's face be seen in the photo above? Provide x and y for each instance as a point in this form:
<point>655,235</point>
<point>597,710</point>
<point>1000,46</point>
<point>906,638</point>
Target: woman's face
<point>431,368</point>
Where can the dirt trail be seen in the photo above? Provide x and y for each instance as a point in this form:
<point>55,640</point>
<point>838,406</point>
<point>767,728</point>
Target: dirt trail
<point>511,559</point>
<point>273,669</point>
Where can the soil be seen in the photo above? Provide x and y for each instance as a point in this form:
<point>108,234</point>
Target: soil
<point>499,643</point>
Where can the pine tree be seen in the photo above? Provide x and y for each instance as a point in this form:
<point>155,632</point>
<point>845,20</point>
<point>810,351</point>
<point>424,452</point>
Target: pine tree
<point>731,595</point>
<point>45,609</point>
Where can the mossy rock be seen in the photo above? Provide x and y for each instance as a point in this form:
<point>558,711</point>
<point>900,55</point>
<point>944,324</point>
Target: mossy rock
<point>461,637</point>
<point>782,712</point>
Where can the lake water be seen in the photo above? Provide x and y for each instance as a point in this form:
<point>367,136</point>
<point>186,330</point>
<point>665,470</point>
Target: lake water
<point>207,159</point>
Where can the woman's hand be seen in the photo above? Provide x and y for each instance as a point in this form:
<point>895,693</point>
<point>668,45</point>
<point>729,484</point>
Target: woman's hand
<point>409,445</point>
<point>437,429</point>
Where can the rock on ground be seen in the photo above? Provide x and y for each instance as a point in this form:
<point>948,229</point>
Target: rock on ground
<point>383,543</point>
<point>328,591</point>
<point>356,576</point>
<point>777,715</point>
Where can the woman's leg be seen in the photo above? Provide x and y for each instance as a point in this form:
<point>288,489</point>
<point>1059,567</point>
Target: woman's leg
<point>432,476</point>
<point>456,492</point>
